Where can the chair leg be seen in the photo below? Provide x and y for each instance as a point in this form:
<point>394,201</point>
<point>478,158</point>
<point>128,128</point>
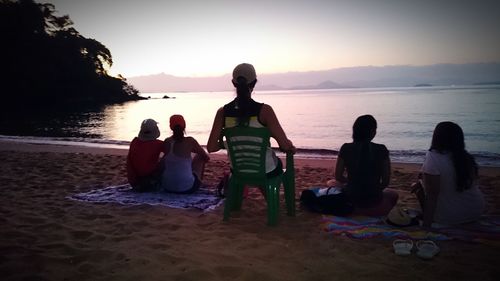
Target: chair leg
<point>289,186</point>
<point>272,204</point>
<point>239,197</point>
<point>231,198</point>
<point>228,206</point>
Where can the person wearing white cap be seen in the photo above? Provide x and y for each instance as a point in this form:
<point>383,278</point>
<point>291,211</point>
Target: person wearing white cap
<point>243,110</point>
<point>143,159</point>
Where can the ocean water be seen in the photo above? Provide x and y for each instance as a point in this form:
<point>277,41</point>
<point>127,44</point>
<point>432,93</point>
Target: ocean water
<point>317,121</point>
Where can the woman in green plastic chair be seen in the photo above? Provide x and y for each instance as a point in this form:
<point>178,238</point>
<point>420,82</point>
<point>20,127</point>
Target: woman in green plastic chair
<point>244,111</point>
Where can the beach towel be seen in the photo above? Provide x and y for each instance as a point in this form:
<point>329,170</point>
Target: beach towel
<point>487,230</point>
<point>203,199</point>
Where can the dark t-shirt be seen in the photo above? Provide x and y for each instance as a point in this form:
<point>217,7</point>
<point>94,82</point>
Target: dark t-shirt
<point>364,164</point>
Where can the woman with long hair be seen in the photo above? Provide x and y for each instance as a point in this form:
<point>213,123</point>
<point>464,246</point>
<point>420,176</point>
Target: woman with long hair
<point>364,168</point>
<point>181,172</point>
<point>450,195</point>
<point>244,111</point>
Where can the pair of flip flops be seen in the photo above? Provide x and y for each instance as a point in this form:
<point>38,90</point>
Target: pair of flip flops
<point>426,249</point>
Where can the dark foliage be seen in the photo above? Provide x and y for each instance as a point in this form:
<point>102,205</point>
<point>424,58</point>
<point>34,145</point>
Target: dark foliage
<point>44,60</point>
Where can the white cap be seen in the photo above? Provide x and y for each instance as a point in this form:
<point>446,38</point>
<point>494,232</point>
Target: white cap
<point>149,130</point>
<point>246,71</point>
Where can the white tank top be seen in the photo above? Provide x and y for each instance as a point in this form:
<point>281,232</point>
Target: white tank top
<point>178,173</point>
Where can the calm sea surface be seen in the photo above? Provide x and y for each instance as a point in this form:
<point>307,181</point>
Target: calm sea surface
<point>317,121</point>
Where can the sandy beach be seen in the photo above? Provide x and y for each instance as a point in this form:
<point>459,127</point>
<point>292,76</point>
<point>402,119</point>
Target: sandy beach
<point>45,236</point>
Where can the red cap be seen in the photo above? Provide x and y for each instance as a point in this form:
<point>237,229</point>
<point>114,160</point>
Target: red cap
<point>177,120</point>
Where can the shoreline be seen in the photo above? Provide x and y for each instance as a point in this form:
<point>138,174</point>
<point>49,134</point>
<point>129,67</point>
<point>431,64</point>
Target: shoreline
<point>75,148</point>
<point>323,162</point>
<point>485,159</point>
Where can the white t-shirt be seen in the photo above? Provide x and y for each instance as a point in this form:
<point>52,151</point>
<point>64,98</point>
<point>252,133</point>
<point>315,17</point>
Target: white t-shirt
<point>453,207</point>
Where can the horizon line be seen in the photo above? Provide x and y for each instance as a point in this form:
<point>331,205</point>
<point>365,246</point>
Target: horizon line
<point>308,71</point>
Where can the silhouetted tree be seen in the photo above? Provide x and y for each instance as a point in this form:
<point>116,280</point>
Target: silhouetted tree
<point>45,60</point>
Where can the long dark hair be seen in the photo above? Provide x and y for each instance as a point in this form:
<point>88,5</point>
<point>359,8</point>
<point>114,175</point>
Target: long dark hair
<point>449,137</point>
<point>364,128</point>
<point>178,133</point>
<point>243,97</point>
<point>363,131</point>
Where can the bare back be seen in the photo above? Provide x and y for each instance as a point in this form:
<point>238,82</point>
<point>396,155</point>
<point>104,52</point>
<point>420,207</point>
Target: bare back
<point>184,148</point>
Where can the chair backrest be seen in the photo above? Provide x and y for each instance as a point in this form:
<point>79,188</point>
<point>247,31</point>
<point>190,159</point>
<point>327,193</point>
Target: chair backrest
<point>247,149</point>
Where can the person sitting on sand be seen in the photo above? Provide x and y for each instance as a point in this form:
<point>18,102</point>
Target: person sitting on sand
<point>181,173</point>
<point>243,110</point>
<point>449,194</point>
<point>367,166</point>
<point>143,169</point>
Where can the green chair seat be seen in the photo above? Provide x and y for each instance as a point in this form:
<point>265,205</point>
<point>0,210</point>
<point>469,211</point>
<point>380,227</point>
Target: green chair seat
<point>247,148</point>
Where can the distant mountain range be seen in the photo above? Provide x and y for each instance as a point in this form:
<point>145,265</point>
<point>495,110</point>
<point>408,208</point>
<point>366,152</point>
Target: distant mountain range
<point>347,77</point>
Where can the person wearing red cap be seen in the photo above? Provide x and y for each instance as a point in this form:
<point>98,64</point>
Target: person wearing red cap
<point>181,173</point>
<point>143,159</point>
<point>243,110</point>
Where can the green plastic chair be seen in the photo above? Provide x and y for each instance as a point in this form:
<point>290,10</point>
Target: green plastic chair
<point>247,148</point>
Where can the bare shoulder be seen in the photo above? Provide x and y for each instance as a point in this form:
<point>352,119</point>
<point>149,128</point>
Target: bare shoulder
<point>266,113</point>
<point>168,140</point>
<point>220,113</point>
<point>266,108</point>
<point>191,140</point>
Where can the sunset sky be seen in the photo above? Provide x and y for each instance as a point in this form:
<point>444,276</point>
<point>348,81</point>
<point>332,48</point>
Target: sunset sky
<point>208,38</point>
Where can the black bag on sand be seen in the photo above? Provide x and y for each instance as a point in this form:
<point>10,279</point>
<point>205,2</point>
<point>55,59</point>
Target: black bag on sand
<point>329,204</point>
